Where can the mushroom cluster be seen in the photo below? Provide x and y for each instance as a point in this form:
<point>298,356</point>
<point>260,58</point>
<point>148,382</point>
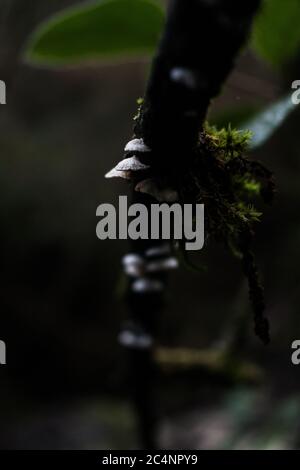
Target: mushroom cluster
<point>146,273</point>
<point>136,167</point>
<point>142,268</point>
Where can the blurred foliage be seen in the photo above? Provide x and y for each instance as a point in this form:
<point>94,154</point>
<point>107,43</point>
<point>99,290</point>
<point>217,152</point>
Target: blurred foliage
<point>115,29</point>
<point>106,30</point>
<point>266,122</point>
<point>276,34</point>
<point>112,30</point>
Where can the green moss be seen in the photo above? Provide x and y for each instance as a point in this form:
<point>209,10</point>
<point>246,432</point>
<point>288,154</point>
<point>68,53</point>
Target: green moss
<point>232,142</point>
<point>227,182</point>
<point>140,102</point>
<point>230,185</point>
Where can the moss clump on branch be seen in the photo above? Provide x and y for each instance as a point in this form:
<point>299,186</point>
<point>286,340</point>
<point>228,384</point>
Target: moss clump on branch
<point>230,186</point>
<point>227,183</point>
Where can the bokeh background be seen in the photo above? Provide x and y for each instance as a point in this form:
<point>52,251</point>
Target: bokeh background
<point>65,385</point>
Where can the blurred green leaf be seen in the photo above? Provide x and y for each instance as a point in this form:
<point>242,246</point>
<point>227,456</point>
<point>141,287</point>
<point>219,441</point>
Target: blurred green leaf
<point>105,30</point>
<point>276,35</point>
<point>265,123</point>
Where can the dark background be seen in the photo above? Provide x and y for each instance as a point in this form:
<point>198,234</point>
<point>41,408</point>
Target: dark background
<point>65,383</point>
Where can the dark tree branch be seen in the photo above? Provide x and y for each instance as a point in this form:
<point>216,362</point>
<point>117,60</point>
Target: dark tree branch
<point>196,54</point>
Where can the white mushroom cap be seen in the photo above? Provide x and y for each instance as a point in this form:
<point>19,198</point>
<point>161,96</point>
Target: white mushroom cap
<point>145,285</point>
<point>158,250</point>
<point>137,145</point>
<point>149,186</point>
<point>163,265</point>
<point>131,164</point>
<point>133,265</point>
<point>118,174</point>
<point>132,258</point>
<point>131,339</point>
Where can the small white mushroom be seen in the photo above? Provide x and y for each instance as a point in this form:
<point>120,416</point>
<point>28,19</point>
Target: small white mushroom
<point>118,174</point>
<point>158,250</point>
<point>131,164</point>
<point>133,271</point>
<point>137,145</point>
<point>132,258</point>
<point>149,186</point>
<point>162,265</point>
<point>145,285</point>
<point>133,265</point>
<point>129,339</point>
<point>184,76</point>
